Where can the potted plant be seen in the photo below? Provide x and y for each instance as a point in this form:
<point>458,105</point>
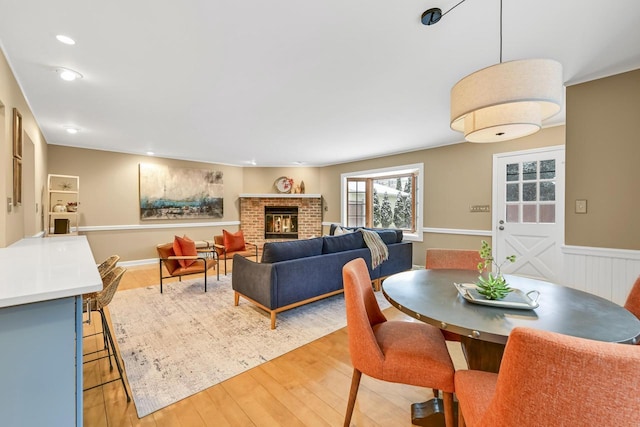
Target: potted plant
<point>493,287</point>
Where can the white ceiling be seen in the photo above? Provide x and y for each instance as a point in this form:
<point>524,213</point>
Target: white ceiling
<point>285,81</point>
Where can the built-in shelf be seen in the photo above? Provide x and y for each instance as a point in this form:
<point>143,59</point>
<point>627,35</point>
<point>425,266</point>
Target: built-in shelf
<point>279,196</point>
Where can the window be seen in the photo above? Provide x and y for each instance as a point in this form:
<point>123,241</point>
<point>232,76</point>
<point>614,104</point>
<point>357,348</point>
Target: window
<point>384,198</point>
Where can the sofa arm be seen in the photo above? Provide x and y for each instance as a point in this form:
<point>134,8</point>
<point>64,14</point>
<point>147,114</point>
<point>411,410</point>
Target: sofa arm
<point>253,280</point>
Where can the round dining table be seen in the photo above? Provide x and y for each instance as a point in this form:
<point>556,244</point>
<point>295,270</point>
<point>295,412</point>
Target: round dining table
<point>483,330</point>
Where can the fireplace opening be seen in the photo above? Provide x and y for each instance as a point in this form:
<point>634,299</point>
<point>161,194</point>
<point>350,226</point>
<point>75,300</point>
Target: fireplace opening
<point>280,222</point>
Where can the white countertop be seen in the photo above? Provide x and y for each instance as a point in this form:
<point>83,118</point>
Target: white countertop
<point>41,269</point>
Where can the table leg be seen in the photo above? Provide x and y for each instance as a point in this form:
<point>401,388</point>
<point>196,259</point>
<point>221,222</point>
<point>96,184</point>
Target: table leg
<point>431,413</point>
<point>482,355</point>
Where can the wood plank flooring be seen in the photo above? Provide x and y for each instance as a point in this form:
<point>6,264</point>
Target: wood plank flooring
<point>308,386</point>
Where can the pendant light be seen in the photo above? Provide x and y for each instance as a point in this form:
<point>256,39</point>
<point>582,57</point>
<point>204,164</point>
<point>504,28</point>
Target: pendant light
<point>508,100</point>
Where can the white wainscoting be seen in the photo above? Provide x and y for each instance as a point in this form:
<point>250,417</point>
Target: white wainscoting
<point>608,273</point>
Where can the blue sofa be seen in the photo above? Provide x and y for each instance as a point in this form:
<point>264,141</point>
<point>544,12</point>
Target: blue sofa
<point>298,272</point>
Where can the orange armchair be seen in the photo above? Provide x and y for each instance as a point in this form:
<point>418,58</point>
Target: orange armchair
<point>401,352</point>
<point>549,379</point>
<point>170,260</point>
<point>229,244</point>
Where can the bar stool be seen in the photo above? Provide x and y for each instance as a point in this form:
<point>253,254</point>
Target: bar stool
<point>97,302</point>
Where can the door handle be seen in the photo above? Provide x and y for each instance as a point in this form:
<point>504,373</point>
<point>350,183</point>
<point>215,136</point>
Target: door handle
<point>501,226</point>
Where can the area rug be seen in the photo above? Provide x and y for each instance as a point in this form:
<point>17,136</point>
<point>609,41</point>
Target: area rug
<point>183,341</point>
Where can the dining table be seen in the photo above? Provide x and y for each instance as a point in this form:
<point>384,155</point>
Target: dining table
<point>441,298</point>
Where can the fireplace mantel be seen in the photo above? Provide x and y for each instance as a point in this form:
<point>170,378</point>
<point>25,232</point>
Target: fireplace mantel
<point>278,196</point>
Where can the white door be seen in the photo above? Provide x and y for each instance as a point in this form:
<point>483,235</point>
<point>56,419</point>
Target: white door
<point>528,211</point>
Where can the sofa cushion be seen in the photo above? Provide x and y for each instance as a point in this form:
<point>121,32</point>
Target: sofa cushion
<point>334,231</point>
<point>284,251</point>
<point>389,237</point>
<point>184,246</point>
<point>340,230</point>
<point>343,242</point>
<point>233,242</point>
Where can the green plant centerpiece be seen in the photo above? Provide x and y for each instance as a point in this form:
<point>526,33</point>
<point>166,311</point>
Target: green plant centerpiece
<point>494,287</point>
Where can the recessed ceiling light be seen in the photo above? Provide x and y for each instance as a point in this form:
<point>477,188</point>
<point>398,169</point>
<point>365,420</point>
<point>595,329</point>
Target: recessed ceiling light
<point>65,39</point>
<point>68,75</point>
<point>70,129</point>
<point>150,153</point>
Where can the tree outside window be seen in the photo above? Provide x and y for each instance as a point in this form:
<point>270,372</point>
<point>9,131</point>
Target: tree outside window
<point>382,201</point>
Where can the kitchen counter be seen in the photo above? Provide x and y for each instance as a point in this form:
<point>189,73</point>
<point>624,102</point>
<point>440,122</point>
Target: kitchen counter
<point>41,269</point>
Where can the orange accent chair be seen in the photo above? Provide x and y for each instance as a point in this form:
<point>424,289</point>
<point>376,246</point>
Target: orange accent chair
<point>633,299</point>
<point>228,244</point>
<point>402,352</point>
<point>459,259</point>
<point>550,379</point>
<point>170,260</point>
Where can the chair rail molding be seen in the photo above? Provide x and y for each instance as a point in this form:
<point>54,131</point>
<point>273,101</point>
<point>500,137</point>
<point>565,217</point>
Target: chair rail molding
<point>608,273</point>
<point>157,226</point>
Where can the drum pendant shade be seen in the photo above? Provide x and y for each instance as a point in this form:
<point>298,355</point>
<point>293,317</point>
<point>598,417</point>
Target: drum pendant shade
<point>506,101</point>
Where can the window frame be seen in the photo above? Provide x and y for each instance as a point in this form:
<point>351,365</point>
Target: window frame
<point>416,169</point>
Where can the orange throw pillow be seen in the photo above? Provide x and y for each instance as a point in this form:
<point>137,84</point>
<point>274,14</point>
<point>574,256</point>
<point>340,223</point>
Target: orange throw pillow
<point>184,246</point>
<point>233,242</point>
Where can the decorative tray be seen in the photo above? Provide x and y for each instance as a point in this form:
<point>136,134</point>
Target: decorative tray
<point>514,299</point>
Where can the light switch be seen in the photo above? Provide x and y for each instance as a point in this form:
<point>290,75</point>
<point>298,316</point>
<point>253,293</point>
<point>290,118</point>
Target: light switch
<point>581,206</point>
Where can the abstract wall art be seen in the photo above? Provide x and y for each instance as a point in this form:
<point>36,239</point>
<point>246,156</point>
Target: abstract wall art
<point>180,193</point>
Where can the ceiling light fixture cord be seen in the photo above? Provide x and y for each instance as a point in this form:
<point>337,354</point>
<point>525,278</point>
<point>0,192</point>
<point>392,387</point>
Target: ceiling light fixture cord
<point>453,8</point>
<point>500,30</point>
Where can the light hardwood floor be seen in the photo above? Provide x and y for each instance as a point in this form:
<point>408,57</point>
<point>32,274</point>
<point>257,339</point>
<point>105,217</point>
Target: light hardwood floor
<point>307,387</point>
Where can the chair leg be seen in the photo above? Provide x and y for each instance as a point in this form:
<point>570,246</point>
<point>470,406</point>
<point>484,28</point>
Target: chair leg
<point>449,419</point>
<point>115,355</point>
<point>105,339</point>
<point>160,276</point>
<point>355,383</point>
<point>460,417</point>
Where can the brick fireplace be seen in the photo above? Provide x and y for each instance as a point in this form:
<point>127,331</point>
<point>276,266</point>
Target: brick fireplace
<point>252,214</point>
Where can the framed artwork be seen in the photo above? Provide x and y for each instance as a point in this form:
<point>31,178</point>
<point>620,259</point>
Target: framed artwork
<point>17,182</point>
<point>17,134</point>
<point>180,193</point>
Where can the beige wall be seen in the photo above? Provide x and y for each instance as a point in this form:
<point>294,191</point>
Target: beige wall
<point>455,177</point>
<point>603,157</point>
<point>21,221</point>
<point>261,180</point>
<point>109,197</point>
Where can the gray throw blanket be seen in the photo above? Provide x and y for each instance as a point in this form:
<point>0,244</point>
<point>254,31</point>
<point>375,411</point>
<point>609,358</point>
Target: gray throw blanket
<point>379,251</point>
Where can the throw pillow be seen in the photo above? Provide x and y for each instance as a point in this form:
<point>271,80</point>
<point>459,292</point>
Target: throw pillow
<point>184,246</point>
<point>233,242</point>
<point>339,230</point>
